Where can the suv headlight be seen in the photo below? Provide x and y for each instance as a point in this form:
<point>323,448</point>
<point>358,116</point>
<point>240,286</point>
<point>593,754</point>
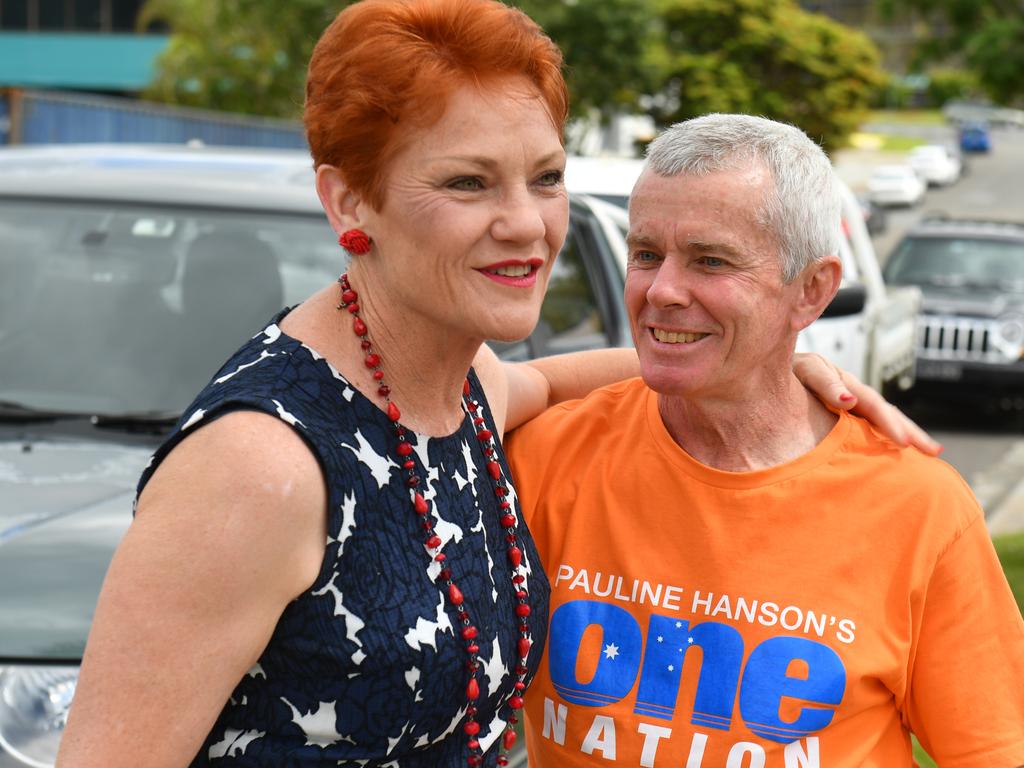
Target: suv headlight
<point>34,704</point>
<point>1010,336</point>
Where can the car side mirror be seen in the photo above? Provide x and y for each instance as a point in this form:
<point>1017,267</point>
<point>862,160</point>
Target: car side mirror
<point>849,300</point>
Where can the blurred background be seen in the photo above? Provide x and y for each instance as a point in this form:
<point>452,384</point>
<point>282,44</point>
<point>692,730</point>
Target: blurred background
<point>920,104</point>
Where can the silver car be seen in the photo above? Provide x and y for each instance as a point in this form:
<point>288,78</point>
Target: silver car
<point>128,274</point>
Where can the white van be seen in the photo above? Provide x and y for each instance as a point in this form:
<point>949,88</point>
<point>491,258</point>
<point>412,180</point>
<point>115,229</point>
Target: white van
<point>869,328</point>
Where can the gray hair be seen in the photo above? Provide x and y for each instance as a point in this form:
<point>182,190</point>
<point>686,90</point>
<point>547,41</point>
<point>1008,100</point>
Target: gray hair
<point>801,209</point>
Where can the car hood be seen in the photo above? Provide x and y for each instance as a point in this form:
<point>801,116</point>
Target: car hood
<point>970,301</point>
<point>65,506</point>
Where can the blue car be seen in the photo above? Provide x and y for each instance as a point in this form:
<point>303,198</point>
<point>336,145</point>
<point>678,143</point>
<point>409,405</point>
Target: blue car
<point>975,138</point>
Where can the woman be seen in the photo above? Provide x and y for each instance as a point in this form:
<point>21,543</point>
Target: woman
<point>330,542</point>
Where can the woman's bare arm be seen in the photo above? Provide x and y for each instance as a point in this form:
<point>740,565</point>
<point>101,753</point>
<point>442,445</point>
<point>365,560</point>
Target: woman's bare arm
<point>524,390</point>
<point>229,530</point>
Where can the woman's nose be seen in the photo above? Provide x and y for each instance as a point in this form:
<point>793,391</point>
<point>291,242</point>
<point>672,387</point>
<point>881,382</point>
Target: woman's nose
<point>520,219</point>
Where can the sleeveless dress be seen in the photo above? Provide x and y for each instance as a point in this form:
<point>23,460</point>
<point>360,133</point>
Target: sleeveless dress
<point>365,668</point>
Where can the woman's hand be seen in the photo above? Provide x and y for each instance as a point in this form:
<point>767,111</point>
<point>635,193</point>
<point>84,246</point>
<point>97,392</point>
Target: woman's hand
<point>840,389</point>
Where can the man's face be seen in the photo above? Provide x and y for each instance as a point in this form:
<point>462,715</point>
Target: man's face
<point>709,311</point>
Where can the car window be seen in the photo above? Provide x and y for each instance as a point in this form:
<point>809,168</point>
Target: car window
<point>116,309</point>
<point>958,261</point>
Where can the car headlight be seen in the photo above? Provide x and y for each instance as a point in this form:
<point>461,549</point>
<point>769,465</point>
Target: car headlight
<point>34,704</point>
<point>1010,336</point>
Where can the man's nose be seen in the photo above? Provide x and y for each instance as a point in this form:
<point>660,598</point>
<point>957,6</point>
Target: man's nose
<point>671,285</point>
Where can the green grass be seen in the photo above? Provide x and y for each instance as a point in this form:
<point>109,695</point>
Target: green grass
<point>895,143</point>
<point>1010,549</point>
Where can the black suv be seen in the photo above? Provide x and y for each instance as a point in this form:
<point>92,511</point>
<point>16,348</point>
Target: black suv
<point>971,333</point>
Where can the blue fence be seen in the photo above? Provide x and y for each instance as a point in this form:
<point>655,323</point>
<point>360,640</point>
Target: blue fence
<point>39,117</point>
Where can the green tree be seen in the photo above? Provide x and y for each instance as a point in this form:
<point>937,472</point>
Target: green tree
<point>251,55</point>
<point>237,55</point>
<point>607,45</point>
<point>988,34</point>
<point>769,58</point>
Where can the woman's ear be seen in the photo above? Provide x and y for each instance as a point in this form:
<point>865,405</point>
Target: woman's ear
<point>341,203</point>
<point>817,284</point>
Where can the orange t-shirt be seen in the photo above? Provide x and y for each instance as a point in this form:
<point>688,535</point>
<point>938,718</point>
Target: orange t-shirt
<point>810,615</point>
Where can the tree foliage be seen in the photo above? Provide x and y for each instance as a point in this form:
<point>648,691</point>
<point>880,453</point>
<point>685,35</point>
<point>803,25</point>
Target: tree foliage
<point>607,45</point>
<point>988,34</point>
<point>687,57</point>
<point>769,58</point>
<point>237,55</point>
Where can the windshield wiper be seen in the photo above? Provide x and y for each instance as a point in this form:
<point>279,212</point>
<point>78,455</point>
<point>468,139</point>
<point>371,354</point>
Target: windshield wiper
<point>11,410</point>
<point>149,421</point>
<point>146,421</point>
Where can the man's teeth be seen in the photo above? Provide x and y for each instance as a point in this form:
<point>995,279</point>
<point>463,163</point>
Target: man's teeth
<point>677,338</point>
<point>515,270</point>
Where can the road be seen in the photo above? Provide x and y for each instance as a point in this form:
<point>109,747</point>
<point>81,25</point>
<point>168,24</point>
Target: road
<point>987,449</point>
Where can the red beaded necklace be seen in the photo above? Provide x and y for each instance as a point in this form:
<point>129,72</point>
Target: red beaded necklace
<point>508,520</point>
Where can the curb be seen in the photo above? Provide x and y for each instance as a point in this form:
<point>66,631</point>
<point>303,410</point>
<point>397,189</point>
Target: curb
<point>1000,491</point>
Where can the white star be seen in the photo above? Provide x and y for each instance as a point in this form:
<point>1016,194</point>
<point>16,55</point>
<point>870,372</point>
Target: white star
<point>679,624</point>
<point>611,651</point>
<point>660,638</point>
<point>689,640</point>
<point>671,667</point>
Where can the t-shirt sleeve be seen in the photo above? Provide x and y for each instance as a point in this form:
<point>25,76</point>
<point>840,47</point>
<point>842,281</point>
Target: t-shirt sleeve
<point>965,701</point>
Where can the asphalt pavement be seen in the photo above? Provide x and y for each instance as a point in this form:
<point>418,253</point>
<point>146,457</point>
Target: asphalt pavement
<point>992,189</point>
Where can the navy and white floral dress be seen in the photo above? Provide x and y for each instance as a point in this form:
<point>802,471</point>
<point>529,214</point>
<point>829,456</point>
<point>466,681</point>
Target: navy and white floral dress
<point>364,668</point>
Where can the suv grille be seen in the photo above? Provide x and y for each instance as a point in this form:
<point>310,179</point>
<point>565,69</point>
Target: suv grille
<point>958,338</point>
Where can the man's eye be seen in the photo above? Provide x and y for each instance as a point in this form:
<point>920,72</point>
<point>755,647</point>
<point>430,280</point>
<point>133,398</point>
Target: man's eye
<point>713,261</point>
<point>643,257</point>
<point>466,183</point>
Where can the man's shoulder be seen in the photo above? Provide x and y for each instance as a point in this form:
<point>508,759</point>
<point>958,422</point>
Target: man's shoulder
<point>629,395</point>
<point>609,409</point>
<point>903,473</point>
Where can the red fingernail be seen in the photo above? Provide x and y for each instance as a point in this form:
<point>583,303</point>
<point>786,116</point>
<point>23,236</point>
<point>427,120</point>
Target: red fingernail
<point>846,397</point>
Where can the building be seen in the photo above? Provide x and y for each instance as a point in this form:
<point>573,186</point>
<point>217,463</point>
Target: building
<point>81,45</point>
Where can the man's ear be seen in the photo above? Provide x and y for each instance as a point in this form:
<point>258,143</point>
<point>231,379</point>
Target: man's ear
<point>816,286</point>
<point>341,203</point>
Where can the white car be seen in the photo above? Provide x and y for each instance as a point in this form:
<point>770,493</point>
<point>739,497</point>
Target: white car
<point>895,185</point>
<point>607,178</point>
<point>935,164</point>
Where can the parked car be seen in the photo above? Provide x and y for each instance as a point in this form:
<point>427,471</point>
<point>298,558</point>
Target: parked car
<point>935,164</point>
<point>971,336</point>
<point>875,217</point>
<point>607,178</point>
<point>121,274</point>
<point>975,137</point>
<point>895,184</point>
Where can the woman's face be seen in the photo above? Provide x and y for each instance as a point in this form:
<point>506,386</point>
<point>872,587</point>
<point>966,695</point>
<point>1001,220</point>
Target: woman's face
<point>475,212</point>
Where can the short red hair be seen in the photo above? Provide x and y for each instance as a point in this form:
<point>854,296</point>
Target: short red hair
<point>383,66</point>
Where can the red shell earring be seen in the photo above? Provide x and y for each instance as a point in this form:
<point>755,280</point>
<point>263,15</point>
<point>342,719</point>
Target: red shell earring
<point>355,241</point>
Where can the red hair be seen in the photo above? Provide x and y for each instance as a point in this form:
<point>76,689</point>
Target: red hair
<point>383,66</point>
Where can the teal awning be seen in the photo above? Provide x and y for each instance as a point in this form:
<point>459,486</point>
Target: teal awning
<point>106,62</point>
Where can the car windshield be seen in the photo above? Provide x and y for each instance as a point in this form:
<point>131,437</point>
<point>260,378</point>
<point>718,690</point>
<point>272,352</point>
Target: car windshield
<point>123,310</point>
<point>956,262</point>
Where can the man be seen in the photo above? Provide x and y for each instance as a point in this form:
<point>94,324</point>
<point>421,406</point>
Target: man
<point>742,578</point>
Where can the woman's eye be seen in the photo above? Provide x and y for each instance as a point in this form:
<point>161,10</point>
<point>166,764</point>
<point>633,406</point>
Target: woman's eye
<point>551,178</point>
<point>466,183</point>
